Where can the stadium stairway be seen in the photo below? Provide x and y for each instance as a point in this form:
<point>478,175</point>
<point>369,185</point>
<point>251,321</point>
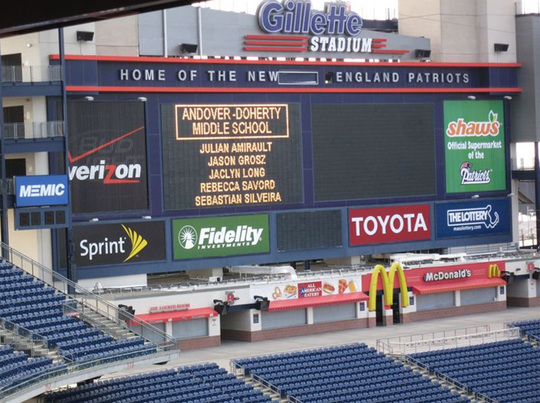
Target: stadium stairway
<point>63,333</point>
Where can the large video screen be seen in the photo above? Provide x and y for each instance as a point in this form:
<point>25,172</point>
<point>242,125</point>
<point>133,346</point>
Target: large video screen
<point>107,156</point>
<point>373,150</point>
<point>230,155</point>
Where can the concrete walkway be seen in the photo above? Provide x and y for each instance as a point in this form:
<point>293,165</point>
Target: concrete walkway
<point>237,349</point>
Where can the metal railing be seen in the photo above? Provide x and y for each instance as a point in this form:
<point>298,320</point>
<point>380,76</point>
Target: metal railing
<point>31,74</point>
<point>7,393</point>
<point>88,301</point>
<point>406,345</point>
<point>34,130</point>
<point>33,340</point>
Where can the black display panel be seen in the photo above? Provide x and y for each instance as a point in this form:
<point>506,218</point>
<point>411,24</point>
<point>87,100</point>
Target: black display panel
<point>231,155</point>
<point>373,150</point>
<point>309,230</point>
<point>107,156</point>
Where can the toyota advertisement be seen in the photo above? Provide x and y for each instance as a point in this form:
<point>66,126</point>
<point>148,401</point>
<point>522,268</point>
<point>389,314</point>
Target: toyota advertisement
<point>123,243</point>
<point>107,156</point>
<point>389,224</point>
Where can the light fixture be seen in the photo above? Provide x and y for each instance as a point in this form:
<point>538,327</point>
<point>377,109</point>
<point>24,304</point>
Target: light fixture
<point>142,99</point>
<point>507,97</point>
<point>222,308</point>
<point>188,48</point>
<point>500,47</point>
<point>261,303</point>
<point>471,97</point>
<point>475,196</point>
<point>146,217</point>
<point>29,45</point>
<point>510,194</point>
<point>85,36</point>
<point>93,219</point>
<point>89,98</point>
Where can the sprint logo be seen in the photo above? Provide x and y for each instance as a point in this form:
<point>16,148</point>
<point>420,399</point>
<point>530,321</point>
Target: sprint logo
<point>117,246</point>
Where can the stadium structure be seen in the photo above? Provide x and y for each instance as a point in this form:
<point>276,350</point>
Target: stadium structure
<point>178,177</point>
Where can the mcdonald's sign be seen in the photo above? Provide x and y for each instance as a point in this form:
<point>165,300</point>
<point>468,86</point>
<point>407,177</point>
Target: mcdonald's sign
<point>388,286</point>
<point>494,271</point>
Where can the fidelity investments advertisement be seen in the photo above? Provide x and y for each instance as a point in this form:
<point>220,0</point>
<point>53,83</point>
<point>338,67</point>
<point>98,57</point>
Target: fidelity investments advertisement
<point>474,146</point>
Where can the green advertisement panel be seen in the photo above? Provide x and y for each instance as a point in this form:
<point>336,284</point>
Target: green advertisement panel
<point>220,236</point>
<point>474,146</point>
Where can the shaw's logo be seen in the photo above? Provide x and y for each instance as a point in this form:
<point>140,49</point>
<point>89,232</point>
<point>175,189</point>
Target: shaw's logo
<point>212,238</point>
<point>113,246</point>
<point>460,128</point>
<point>472,177</point>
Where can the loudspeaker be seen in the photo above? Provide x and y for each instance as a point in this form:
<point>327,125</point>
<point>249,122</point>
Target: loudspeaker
<point>85,36</point>
<point>536,274</point>
<point>422,53</point>
<point>188,48</point>
<point>222,309</point>
<point>500,47</point>
<point>262,304</point>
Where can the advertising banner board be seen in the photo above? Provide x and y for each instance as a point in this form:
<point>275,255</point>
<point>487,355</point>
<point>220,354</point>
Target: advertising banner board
<point>41,190</point>
<point>124,243</point>
<point>389,224</point>
<point>107,156</point>
<point>220,236</point>
<point>474,136</point>
<point>465,219</point>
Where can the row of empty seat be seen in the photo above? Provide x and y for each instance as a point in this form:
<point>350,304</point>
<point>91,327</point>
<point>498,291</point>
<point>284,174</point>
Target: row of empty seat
<point>205,383</point>
<point>31,308</point>
<point>496,370</point>
<point>351,373</point>
<point>16,366</point>
<point>529,328</point>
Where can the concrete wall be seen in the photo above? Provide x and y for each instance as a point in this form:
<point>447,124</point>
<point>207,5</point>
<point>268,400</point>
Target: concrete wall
<point>461,30</point>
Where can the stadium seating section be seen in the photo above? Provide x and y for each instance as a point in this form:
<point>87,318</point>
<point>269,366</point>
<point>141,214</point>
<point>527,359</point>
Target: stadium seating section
<point>352,373</point>
<point>30,307</point>
<point>529,328</point>
<point>500,370</point>
<point>205,383</point>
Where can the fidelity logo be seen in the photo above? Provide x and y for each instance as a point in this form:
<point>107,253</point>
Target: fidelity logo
<point>114,247</point>
<point>214,238</point>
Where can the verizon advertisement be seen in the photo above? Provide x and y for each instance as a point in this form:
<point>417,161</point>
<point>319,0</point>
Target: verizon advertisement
<point>124,243</point>
<point>107,156</point>
<point>389,224</point>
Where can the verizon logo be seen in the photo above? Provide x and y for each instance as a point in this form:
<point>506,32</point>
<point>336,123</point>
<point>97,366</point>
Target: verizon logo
<point>108,173</point>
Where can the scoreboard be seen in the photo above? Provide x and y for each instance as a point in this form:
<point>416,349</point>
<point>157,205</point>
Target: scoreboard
<point>230,155</point>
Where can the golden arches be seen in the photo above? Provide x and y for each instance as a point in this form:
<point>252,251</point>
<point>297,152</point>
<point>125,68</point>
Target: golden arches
<point>388,286</point>
<point>494,271</point>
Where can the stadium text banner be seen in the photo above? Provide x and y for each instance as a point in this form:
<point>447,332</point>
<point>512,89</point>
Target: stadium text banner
<point>474,146</point>
<point>389,224</point>
<point>123,243</point>
<point>221,155</point>
<point>41,190</point>
<point>465,219</point>
<point>220,236</point>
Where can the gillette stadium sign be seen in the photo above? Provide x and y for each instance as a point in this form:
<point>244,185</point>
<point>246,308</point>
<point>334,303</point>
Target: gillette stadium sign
<point>294,26</point>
